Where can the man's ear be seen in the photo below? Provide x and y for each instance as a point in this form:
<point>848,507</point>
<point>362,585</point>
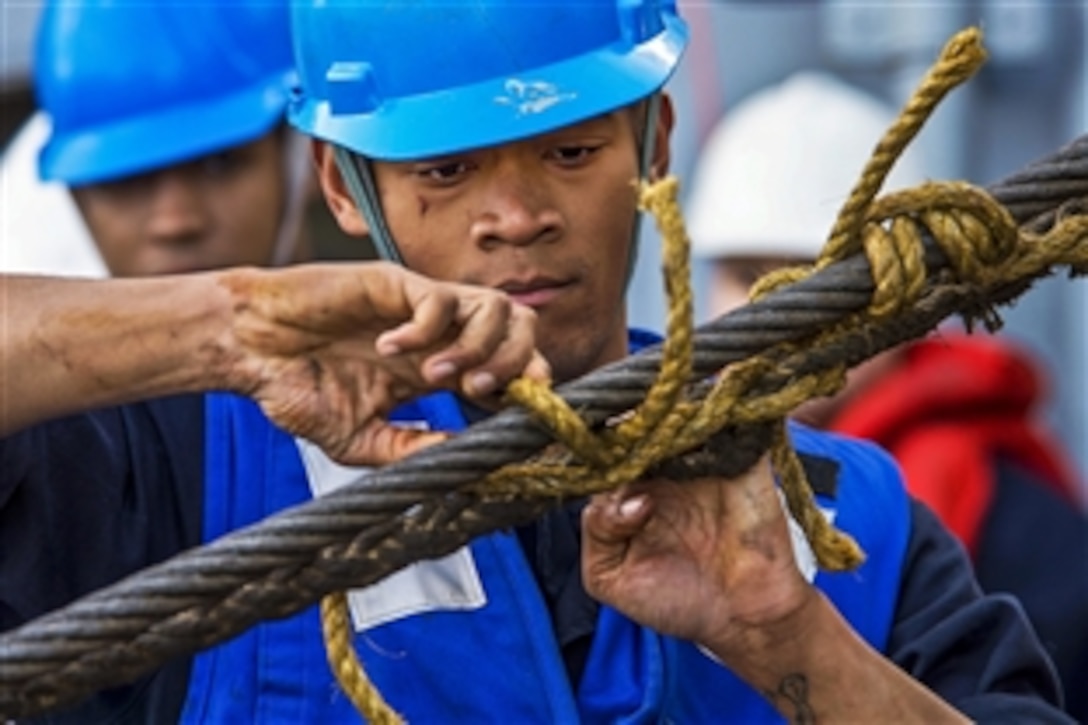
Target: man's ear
<point>666,119</point>
<point>334,189</point>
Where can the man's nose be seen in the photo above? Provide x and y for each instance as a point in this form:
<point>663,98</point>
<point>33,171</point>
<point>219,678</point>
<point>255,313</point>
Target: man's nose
<point>517,209</point>
<point>179,212</point>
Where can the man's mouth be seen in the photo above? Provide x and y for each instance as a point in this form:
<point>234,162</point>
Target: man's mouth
<point>535,292</point>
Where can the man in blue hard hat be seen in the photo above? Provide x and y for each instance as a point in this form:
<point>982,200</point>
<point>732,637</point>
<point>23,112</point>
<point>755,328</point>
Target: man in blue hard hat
<point>165,121</point>
<point>498,148</point>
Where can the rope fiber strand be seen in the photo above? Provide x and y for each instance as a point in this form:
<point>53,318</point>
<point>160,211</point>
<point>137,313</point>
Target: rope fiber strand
<point>731,384</point>
<point>337,631</point>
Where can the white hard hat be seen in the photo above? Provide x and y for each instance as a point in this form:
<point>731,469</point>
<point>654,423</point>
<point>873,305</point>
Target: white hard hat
<point>41,230</point>
<point>776,169</point>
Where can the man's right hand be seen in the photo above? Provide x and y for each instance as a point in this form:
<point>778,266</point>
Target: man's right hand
<point>329,350</point>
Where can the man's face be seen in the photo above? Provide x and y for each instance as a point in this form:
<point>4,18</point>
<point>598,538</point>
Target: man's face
<point>216,211</point>
<point>549,220</point>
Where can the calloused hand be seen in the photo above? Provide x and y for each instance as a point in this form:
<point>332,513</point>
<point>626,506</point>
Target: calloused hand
<point>711,561</point>
<point>329,350</point>
<point>708,560</point>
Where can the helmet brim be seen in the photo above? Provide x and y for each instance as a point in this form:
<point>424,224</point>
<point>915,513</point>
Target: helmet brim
<point>500,110</point>
<point>158,140</point>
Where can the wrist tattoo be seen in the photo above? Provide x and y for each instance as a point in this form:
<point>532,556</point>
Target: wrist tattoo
<point>793,689</point>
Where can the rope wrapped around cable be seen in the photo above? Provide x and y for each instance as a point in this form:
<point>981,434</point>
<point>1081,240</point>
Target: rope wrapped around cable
<point>426,506</point>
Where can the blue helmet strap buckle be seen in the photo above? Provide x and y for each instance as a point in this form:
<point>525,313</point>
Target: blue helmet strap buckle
<point>359,178</point>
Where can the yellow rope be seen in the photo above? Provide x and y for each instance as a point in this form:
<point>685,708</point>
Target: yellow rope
<point>665,424</point>
<point>980,239</point>
<point>336,628</point>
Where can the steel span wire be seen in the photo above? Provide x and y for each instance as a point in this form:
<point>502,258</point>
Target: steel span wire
<point>414,509</point>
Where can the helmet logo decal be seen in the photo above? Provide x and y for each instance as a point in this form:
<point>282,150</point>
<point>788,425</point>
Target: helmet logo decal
<point>531,97</point>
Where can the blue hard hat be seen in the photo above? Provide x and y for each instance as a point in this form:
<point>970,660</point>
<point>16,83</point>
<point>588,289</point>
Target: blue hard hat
<point>405,80</point>
<point>132,86</point>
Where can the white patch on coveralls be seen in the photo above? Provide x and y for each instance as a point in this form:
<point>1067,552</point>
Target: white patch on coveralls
<point>449,583</point>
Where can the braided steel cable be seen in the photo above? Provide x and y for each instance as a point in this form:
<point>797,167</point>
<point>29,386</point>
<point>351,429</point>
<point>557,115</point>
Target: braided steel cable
<point>1035,194</point>
<point>415,509</point>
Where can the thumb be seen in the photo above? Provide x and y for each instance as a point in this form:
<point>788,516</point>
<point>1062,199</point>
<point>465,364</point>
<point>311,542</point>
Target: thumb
<point>610,520</point>
<point>381,444</point>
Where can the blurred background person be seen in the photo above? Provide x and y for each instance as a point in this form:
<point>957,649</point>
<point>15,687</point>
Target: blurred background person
<point>959,412</point>
<point>160,145</point>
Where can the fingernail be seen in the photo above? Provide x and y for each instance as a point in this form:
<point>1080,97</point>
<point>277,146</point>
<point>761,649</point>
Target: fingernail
<point>442,370</point>
<point>632,506</point>
<point>483,383</point>
<point>386,348</point>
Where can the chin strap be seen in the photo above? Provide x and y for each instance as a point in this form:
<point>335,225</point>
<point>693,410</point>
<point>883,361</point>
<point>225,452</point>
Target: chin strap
<point>360,182</point>
<point>645,168</point>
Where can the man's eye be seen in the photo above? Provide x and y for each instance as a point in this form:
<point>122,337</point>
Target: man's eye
<point>223,163</point>
<point>128,186</point>
<point>573,155</point>
<point>444,173</point>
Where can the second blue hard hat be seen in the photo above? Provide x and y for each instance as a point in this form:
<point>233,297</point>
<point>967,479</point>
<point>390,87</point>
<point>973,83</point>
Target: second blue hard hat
<point>135,86</point>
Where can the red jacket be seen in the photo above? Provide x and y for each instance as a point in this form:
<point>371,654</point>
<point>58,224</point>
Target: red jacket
<point>954,405</point>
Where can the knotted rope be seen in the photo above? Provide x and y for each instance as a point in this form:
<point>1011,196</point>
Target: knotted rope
<point>976,233</point>
<point>432,503</point>
<point>965,222</point>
